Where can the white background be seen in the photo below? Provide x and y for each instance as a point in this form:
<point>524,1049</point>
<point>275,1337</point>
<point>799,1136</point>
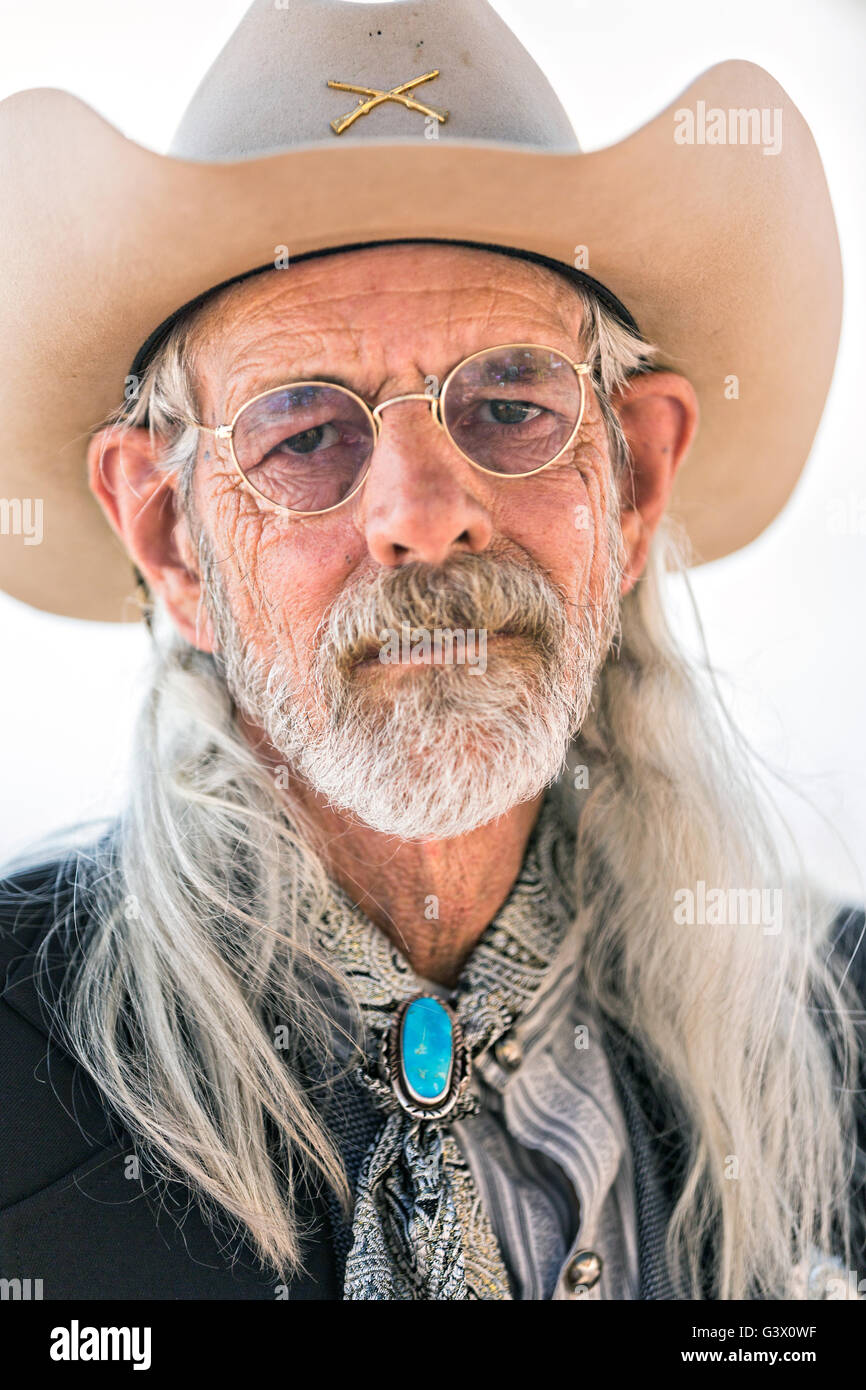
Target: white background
<point>783,619</point>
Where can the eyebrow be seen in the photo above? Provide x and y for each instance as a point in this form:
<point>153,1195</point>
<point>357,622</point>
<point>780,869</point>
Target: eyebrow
<point>331,378</point>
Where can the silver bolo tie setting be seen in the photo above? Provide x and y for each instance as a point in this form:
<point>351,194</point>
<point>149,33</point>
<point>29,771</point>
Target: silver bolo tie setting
<point>425,1059</point>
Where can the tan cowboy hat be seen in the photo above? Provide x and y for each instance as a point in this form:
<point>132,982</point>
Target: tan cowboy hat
<point>712,224</point>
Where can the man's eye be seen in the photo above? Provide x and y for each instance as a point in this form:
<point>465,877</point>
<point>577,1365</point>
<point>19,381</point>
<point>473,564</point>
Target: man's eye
<point>509,412</point>
<point>308,441</point>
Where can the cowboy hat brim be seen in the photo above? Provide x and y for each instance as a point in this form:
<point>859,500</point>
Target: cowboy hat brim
<point>728,258</point>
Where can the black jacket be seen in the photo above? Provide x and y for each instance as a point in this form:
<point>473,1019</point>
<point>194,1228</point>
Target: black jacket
<point>74,1214</point>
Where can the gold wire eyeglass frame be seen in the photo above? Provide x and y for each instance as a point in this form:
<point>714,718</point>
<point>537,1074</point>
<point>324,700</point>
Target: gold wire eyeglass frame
<point>436,401</point>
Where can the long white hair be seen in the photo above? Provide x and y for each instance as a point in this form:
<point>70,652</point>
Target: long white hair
<point>200,952</point>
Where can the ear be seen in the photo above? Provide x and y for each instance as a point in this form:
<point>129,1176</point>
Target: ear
<point>140,503</point>
<point>658,412</point>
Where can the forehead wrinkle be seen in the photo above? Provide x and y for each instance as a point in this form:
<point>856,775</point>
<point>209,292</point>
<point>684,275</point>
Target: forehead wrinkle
<point>303,342</point>
<point>316,290</point>
<point>273,361</point>
<point>224,341</point>
<point>340,303</point>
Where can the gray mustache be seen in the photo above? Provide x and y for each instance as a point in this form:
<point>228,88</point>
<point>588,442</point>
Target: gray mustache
<point>468,592</point>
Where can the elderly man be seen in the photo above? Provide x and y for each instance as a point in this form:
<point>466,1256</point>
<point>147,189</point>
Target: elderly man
<point>388,977</point>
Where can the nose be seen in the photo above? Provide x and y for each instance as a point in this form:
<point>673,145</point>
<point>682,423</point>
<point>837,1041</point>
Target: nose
<point>421,500</point>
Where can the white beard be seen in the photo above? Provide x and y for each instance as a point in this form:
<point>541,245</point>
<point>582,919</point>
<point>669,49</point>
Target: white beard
<point>431,752</point>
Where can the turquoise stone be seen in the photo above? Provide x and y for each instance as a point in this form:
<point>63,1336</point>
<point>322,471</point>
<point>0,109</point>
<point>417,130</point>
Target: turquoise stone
<point>427,1049</point>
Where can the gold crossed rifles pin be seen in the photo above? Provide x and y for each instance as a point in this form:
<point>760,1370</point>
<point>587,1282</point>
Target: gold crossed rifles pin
<point>369,97</point>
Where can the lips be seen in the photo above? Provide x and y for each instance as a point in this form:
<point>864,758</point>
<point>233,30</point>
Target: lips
<point>370,652</point>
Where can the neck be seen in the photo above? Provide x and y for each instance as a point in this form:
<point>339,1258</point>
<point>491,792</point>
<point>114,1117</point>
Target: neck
<point>431,898</point>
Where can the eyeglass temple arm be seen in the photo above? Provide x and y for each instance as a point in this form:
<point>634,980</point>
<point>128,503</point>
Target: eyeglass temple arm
<point>220,431</point>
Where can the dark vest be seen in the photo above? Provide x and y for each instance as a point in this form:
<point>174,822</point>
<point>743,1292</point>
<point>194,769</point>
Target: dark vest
<point>76,1213</point>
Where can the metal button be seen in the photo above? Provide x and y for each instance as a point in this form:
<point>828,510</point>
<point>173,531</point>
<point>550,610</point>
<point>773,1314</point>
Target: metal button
<point>583,1270</point>
<point>508,1053</point>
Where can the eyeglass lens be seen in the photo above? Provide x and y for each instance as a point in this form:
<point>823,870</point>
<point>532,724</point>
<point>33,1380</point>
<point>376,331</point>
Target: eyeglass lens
<point>307,446</point>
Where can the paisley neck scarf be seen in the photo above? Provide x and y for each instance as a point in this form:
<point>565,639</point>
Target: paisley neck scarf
<point>420,1231</point>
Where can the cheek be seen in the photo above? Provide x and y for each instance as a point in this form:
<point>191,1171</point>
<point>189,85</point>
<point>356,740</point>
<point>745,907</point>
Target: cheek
<point>560,519</point>
<point>281,576</point>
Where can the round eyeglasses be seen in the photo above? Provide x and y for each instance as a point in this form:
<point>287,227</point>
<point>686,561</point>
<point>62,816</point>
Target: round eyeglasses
<point>305,448</point>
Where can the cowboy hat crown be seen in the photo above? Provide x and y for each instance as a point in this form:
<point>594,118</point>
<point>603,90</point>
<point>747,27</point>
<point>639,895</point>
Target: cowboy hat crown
<point>269,89</point>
